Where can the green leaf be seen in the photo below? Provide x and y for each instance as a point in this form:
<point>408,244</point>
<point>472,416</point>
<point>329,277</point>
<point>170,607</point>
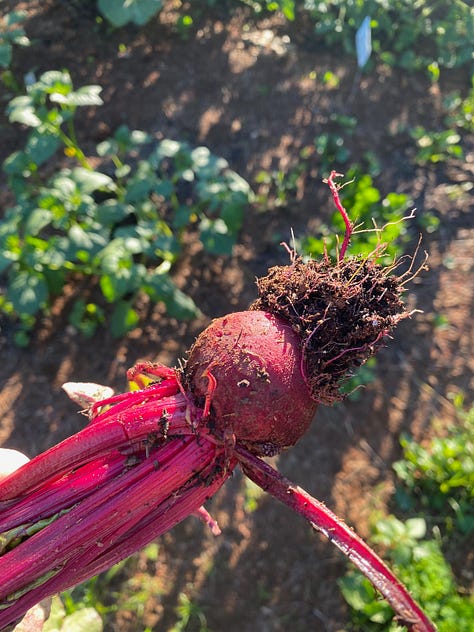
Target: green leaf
<point>87,95</point>
<point>182,217</point>
<point>80,238</point>
<point>120,12</point>
<point>141,184</point>
<point>86,317</point>
<point>37,220</point>
<point>108,147</point>
<point>124,318</point>
<point>40,146</point>
<point>27,291</point>
<point>5,260</point>
<point>178,304</point>
<point>52,81</point>
<point>233,215</point>
<point>112,212</point>
<point>90,181</point>
<point>416,528</point>
<point>5,54</point>
<point>22,110</point>
<point>215,237</point>
<point>166,149</point>
<point>17,164</point>
<point>129,139</point>
<point>113,255</point>
<point>15,17</point>
<point>117,285</point>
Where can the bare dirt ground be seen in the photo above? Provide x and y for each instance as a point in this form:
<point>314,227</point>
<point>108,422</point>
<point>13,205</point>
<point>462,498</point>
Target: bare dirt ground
<point>251,97</point>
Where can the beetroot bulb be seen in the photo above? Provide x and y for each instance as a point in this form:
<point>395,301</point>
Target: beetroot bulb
<point>151,457</point>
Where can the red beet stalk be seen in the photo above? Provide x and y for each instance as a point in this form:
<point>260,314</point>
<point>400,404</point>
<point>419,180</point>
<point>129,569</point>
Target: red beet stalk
<point>324,520</point>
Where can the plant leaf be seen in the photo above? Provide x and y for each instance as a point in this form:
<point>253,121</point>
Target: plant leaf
<point>120,12</point>
<point>87,95</point>
<point>21,110</point>
<point>124,318</point>
<point>27,292</point>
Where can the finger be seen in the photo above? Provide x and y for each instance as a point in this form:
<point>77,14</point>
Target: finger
<point>10,460</point>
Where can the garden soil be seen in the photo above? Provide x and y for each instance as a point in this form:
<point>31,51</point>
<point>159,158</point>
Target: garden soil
<point>257,93</point>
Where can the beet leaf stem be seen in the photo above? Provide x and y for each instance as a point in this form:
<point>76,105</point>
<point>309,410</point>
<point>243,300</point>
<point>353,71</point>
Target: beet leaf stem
<point>322,519</point>
<point>337,201</point>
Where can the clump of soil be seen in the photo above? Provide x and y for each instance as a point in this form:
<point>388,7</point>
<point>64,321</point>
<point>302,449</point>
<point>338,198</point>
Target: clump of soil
<point>341,311</point>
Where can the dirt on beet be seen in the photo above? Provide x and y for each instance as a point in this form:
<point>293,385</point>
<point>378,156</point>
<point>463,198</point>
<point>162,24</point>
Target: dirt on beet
<point>342,312</point>
<point>252,91</point>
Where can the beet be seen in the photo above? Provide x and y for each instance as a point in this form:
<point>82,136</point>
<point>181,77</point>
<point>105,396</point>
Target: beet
<point>264,371</point>
<point>261,395</point>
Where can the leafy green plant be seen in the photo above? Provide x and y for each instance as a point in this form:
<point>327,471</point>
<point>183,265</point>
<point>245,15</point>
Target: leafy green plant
<point>439,480</point>
<point>11,33</point>
<point>422,566</point>
<point>461,110</point>
<point>189,614</point>
<point>331,145</point>
<point>409,34</point>
<point>121,12</point>
<point>287,7</point>
<point>276,187</point>
<point>122,229</point>
<point>434,147</point>
<point>439,477</point>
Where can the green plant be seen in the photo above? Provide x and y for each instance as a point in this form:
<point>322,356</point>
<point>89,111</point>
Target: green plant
<point>461,110</point>
<point>276,187</point>
<point>121,229</point>
<point>434,147</point>
<point>331,145</point>
<point>121,12</point>
<point>11,33</point>
<point>409,34</point>
<point>287,7</point>
<point>189,613</point>
<point>439,477</point>
<point>421,564</point>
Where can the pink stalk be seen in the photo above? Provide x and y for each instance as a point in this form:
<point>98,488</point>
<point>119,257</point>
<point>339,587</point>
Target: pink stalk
<point>322,519</point>
<point>98,524</point>
<point>96,439</point>
<point>349,227</point>
<point>167,515</point>
<point>71,532</point>
<point>65,491</point>
<point>156,522</point>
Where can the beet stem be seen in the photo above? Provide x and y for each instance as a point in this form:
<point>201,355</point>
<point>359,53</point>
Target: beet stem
<point>337,201</point>
<point>325,521</point>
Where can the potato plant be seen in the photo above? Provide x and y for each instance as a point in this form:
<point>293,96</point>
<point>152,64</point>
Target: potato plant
<point>120,228</point>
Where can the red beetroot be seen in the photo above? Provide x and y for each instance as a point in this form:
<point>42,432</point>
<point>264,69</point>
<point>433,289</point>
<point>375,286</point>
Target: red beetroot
<point>150,458</point>
<point>249,365</point>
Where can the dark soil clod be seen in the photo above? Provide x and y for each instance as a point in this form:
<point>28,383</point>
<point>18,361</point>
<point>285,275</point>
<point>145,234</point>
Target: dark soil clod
<point>342,312</point>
